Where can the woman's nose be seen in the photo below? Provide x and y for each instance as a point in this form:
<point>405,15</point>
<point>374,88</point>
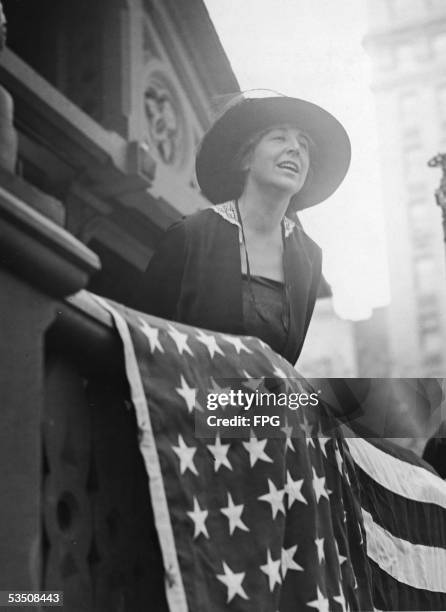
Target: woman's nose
<point>294,147</point>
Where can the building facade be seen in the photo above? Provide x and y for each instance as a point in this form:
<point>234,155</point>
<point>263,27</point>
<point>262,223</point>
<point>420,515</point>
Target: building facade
<point>407,45</point>
<point>111,99</point>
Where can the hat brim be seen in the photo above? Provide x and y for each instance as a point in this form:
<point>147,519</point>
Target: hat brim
<point>330,153</point>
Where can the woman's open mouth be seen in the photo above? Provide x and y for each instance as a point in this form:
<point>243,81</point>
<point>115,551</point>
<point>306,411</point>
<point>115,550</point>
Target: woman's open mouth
<point>289,165</point>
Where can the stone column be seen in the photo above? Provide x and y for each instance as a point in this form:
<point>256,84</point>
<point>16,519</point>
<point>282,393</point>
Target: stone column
<point>40,263</point>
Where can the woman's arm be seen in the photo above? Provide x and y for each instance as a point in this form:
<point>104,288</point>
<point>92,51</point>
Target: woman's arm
<point>161,282</point>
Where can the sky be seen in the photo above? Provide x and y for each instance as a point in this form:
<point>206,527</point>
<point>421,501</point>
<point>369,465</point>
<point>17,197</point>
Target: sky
<point>313,49</point>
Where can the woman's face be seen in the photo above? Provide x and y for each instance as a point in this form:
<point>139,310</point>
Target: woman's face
<point>281,158</point>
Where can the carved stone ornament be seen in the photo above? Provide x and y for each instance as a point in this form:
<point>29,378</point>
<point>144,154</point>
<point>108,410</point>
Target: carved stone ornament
<point>166,127</point>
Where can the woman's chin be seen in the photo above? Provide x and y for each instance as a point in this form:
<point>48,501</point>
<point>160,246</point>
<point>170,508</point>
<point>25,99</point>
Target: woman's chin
<point>281,187</point>
<point>289,187</point>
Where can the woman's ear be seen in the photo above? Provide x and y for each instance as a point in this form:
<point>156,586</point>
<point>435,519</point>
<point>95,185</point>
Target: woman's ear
<point>245,162</point>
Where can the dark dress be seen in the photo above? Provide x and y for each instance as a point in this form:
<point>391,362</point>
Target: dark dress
<point>265,318</point>
<point>195,276</point>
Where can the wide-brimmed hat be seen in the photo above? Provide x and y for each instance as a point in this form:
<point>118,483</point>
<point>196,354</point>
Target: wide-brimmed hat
<point>330,151</point>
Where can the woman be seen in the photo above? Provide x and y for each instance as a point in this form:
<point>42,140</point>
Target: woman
<point>246,266</point>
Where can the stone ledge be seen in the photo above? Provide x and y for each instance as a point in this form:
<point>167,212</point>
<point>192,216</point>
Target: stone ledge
<point>41,252</point>
<point>42,202</point>
<point>85,332</point>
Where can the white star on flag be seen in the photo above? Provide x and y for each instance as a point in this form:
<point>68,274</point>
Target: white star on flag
<point>189,394</point>
<point>293,490</point>
<point>256,450</point>
<point>288,430</point>
<point>253,383</point>
<point>341,600</point>
<point>275,498</point>
<point>198,406</point>
<point>220,453</point>
<point>339,459</point>
<point>210,342</point>
<point>233,582</point>
<point>321,603</point>
<point>320,549</point>
<point>341,558</point>
<point>281,374</point>
<point>151,333</point>
<point>215,388</point>
<point>199,517</point>
<point>319,486</point>
<point>287,562</point>
<point>186,456</point>
<point>263,344</point>
<point>180,340</point>
<point>234,514</point>
<point>347,478</point>
<point>272,570</point>
<point>322,443</point>
<point>237,343</point>
<point>307,431</point>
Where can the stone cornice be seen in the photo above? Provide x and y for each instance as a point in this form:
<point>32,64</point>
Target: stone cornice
<point>106,164</point>
<point>41,252</point>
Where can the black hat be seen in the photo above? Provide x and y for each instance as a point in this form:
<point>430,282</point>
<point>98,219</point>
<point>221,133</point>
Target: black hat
<point>329,158</point>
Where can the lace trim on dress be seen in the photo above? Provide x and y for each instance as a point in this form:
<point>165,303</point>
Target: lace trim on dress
<point>228,211</point>
<point>289,226</point>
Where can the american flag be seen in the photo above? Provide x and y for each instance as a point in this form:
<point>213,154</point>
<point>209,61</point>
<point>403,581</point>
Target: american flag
<point>404,509</point>
<point>266,523</point>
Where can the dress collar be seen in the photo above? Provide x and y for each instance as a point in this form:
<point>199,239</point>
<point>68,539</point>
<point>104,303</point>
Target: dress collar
<point>228,211</point>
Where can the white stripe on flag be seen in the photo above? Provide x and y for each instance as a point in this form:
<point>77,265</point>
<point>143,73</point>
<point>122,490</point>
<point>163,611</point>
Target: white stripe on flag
<point>421,567</point>
<point>409,481</point>
<point>175,592</point>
